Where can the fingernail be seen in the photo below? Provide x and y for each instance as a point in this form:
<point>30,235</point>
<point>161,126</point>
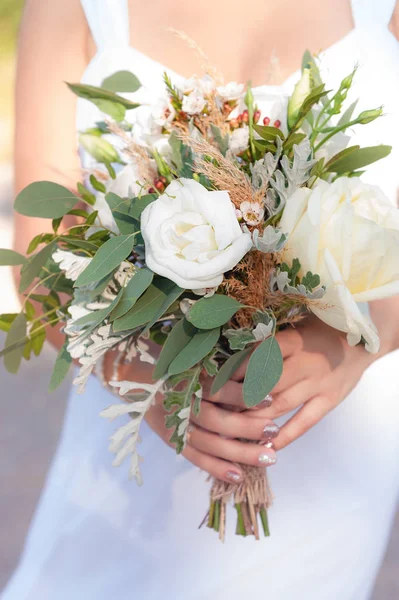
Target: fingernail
<point>270,431</point>
<point>267,458</point>
<point>265,402</point>
<point>233,476</point>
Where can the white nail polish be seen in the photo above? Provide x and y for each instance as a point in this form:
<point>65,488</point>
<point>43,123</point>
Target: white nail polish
<point>266,459</point>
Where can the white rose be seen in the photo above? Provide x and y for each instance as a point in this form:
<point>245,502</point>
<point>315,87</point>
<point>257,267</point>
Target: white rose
<point>239,140</point>
<point>194,103</point>
<point>348,233</point>
<point>192,236</point>
<point>231,91</point>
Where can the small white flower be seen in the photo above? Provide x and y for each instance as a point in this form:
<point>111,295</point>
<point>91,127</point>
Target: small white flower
<point>239,140</point>
<point>194,103</point>
<point>231,91</point>
<point>163,113</point>
<point>72,264</point>
<point>252,212</point>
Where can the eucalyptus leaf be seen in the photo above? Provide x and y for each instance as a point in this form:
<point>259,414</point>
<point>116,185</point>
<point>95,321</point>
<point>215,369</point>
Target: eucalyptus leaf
<point>148,306</point>
<point>33,266</point>
<point>16,334</point>
<point>212,312</point>
<point>228,369</point>
<point>11,258</point>
<point>121,81</point>
<point>138,284</point>
<point>359,158</point>
<point>45,200</point>
<point>91,92</point>
<point>61,368</point>
<point>114,109</point>
<point>176,341</point>
<point>263,372</point>
<point>198,347</point>
<point>109,256</point>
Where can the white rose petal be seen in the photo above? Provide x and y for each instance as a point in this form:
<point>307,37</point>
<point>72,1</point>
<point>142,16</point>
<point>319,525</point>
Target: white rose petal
<point>192,236</point>
<point>348,233</point>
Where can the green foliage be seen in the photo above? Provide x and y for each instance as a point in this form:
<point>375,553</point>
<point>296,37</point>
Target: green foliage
<point>101,150</point>
<point>138,284</point>
<point>121,81</point>
<point>151,305</point>
<point>177,340</point>
<point>109,256</point>
<point>355,158</point>
<point>198,347</point>
<point>263,372</point>
<point>212,312</point>
<point>16,338</point>
<point>11,258</point>
<point>239,338</point>
<point>221,140</point>
<point>228,369</point>
<point>105,100</point>
<point>33,266</point>
<point>179,401</point>
<point>61,368</point>
<point>45,200</point>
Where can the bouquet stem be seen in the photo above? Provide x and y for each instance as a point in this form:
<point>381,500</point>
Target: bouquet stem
<point>252,498</point>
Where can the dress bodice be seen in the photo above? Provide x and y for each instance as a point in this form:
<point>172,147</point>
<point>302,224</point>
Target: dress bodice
<point>370,45</point>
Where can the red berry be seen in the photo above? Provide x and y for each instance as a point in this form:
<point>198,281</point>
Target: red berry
<point>239,119</point>
<point>160,186</point>
<point>277,123</point>
<point>266,121</point>
<point>245,116</point>
<point>163,179</point>
<point>151,190</point>
<point>256,116</point>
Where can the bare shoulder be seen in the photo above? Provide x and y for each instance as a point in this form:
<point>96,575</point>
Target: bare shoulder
<point>394,23</point>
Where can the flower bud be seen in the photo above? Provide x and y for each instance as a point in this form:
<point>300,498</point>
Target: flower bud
<point>301,91</point>
<point>277,123</point>
<point>367,116</point>
<point>266,121</point>
<point>245,116</point>
<point>256,116</point>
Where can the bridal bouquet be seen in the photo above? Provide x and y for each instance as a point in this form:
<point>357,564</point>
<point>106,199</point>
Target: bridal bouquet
<point>208,222</point>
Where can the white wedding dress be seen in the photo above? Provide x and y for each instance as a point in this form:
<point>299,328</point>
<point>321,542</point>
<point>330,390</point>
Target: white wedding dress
<point>96,536</point>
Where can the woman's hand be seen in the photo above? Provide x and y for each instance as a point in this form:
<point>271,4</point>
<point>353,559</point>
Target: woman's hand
<point>320,369</point>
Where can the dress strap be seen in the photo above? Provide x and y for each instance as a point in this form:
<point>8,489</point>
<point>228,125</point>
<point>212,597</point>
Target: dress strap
<point>371,14</point>
<point>108,21</point>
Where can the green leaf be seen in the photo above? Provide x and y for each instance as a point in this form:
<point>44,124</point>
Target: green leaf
<point>212,312</point>
<point>11,258</point>
<point>151,305</point>
<point>45,200</point>
<point>37,337</point>
<point>29,310</point>
<point>268,133</point>
<point>61,368</point>
<point>239,338</point>
<point>221,140</point>
<point>101,150</point>
<point>347,115</point>
<point>114,109</point>
<point>6,320</point>
<point>16,334</point>
<point>32,268</point>
<point>339,155</point>
<point>121,81</point>
<point>109,256</point>
<point>176,341</point>
<point>96,317</point>
<point>263,372</point>
<point>228,369</point>
<point>90,92</point>
<point>198,347</point>
<point>359,158</point>
<point>138,284</point>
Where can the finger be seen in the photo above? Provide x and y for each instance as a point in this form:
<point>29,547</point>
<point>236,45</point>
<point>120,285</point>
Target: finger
<point>234,424</point>
<point>231,450</point>
<point>218,468</point>
<point>306,418</point>
<point>293,373</point>
<point>230,393</point>
<point>290,399</point>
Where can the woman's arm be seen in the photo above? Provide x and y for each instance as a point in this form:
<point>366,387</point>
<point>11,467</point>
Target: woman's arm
<point>52,50</point>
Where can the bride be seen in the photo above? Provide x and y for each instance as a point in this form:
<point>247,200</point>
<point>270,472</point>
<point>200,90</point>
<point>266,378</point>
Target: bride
<point>95,535</point>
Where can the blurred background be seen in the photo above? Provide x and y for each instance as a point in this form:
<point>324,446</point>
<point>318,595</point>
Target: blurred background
<point>31,419</point>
